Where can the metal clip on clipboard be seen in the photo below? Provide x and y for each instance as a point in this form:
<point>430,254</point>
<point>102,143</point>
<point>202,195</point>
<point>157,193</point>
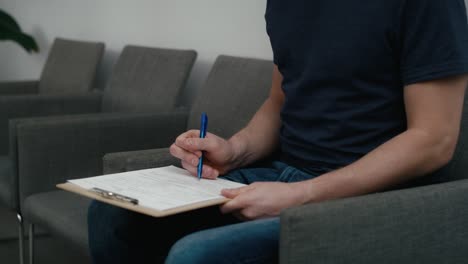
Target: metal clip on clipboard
<point>114,196</point>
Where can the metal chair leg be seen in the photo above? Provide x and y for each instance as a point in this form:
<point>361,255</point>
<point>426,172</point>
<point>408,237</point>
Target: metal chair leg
<point>31,243</point>
<point>20,238</point>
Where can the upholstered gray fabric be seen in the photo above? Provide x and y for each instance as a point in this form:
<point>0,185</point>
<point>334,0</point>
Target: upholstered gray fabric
<point>7,193</point>
<point>54,150</point>
<point>71,66</point>
<point>19,88</point>
<point>147,79</point>
<point>62,213</point>
<point>233,92</point>
<point>135,160</point>
<point>12,109</point>
<point>43,105</point>
<point>420,225</point>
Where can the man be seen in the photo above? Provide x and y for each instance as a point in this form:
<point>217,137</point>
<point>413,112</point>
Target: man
<point>366,95</point>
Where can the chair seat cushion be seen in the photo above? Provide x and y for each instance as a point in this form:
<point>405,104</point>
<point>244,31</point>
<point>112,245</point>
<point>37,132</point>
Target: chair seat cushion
<point>64,214</point>
<point>7,186</point>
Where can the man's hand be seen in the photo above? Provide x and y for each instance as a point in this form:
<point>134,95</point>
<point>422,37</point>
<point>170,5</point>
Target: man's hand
<point>219,153</point>
<point>262,199</point>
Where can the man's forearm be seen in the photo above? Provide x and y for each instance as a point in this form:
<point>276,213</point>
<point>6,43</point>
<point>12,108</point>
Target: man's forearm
<point>409,155</point>
<point>433,110</point>
<point>260,137</point>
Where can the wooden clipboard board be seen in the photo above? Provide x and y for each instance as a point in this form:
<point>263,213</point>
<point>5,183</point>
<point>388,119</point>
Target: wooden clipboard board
<point>137,208</point>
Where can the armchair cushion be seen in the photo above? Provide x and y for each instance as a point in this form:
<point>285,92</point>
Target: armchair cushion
<point>63,214</point>
<point>423,225</point>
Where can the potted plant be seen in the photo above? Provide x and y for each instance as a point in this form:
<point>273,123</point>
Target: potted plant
<point>10,30</point>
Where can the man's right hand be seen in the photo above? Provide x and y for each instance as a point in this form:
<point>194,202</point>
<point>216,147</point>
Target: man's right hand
<point>254,142</point>
<point>219,154</point>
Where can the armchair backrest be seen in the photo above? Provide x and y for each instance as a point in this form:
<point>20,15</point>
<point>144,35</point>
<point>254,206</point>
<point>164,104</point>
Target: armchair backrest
<point>234,90</point>
<point>147,79</point>
<point>71,66</point>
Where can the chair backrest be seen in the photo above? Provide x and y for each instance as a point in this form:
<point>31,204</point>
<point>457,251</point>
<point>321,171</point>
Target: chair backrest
<point>235,89</point>
<point>71,66</point>
<point>147,79</point>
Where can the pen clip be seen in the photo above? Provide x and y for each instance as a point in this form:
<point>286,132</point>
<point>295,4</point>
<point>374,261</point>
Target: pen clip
<point>114,196</point>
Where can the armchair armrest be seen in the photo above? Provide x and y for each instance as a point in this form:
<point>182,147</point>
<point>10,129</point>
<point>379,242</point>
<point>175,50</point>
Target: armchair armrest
<point>12,107</point>
<point>138,160</point>
<point>19,87</point>
<point>420,225</point>
<point>53,150</point>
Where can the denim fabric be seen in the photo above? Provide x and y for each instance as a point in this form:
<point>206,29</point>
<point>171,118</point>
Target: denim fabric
<point>202,236</point>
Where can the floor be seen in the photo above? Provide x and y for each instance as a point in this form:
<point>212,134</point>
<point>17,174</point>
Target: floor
<point>49,250</point>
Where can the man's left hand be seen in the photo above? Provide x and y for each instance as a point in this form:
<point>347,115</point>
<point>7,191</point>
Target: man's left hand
<point>262,199</point>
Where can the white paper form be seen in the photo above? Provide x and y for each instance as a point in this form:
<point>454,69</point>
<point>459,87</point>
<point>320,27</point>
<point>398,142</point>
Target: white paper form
<point>160,188</point>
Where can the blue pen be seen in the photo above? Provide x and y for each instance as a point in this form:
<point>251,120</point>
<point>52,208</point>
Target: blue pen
<point>203,125</point>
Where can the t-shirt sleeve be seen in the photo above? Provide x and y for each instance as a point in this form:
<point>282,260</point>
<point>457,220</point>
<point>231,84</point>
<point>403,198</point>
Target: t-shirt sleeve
<point>434,40</point>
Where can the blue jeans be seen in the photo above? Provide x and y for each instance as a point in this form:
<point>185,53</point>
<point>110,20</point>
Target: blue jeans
<point>202,236</point>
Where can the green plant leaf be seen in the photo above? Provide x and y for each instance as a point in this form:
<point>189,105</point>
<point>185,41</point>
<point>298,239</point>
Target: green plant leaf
<point>7,21</point>
<point>10,30</point>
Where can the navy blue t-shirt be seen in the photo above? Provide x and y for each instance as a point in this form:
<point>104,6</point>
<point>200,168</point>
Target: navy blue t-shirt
<point>345,64</point>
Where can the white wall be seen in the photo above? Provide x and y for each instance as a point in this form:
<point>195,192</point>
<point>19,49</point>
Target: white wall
<point>211,27</point>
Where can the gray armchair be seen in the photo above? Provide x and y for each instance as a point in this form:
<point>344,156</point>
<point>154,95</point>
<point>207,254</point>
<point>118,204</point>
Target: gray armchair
<point>144,84</point>
<point>233,91</point>
<point>64,88</point>
<point>70,69</point>
<point>425,224</point>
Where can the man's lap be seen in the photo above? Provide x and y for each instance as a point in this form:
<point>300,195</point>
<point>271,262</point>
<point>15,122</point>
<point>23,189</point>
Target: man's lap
<point>113,230</point>
<point>246,242</point>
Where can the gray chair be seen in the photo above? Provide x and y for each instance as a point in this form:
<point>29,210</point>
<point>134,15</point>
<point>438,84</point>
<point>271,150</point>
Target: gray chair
<point>70,70</point>
<point>64,87</point>
<point>144,83</point>
<point>235,88</point>
<point>424,224</point>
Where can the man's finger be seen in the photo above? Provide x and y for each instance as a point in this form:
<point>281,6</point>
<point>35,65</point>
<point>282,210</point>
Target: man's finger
<point>193,133</point>
<point>189,168</point>
<point>196,144</point>
<point>209,172</point>
<point>232,193</point>
<point>184,155</point>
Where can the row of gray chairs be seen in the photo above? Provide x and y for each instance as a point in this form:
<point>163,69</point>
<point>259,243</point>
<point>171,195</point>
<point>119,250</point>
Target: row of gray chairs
<point>144,83</point>
<point>64,87</point>
<point>427,224</point>
<point>137,110</point>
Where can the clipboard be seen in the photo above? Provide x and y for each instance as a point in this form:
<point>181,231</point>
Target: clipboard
<point>127,204</point>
